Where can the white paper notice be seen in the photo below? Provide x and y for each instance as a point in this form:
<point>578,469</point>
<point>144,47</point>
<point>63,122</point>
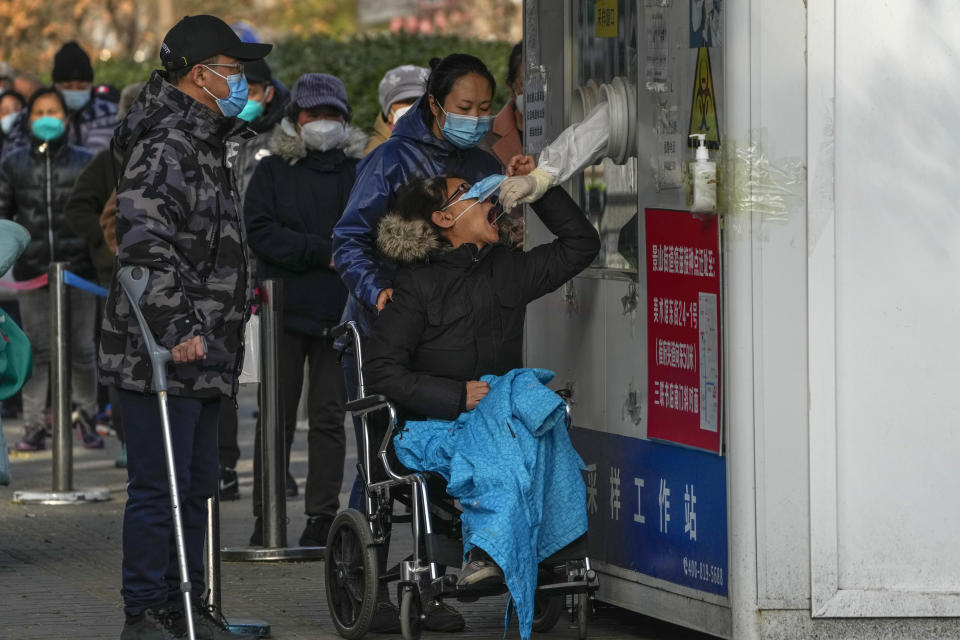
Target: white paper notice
<point>709,362</point>
<point>535,110</point>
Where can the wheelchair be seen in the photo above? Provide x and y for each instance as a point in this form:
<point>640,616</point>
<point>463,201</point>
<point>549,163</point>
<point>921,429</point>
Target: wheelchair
<point>351,563</point>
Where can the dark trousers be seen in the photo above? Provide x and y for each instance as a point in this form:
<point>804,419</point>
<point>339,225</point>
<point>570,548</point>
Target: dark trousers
<point>326,441</point>
<point>229,446</point>
<point>151,574</point>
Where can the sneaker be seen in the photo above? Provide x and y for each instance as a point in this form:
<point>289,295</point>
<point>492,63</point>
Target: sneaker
<point>208,624</point>
<point>292,491</point>
<point>256,538</point>
<point>121,461</point>
<point>83,427</point>
<point>151,625</point>
<point>316,531</point>
<point>229,484</point>
<point>33,439</point>
<point>386,617</point>
<point>441,617</point>
<point>481,572</point>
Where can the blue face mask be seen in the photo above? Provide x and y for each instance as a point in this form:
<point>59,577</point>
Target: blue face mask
<point>251,111</point>
<point>234,103</point>
<point>481,190</point>
<point>464,132</point>
<point>76,99</point>
<point>7,122</point>
<point>48,128</point>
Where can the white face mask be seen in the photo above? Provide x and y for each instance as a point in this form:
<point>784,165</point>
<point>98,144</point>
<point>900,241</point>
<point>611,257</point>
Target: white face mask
<point>518,103</point>
<point>323,135</point>
<point>399,113</point>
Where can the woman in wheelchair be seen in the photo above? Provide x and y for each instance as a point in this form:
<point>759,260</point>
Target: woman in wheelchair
<point>459,302</point>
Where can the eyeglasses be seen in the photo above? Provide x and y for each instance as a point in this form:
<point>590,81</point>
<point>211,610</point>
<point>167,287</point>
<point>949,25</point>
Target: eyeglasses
<point>237,67</point>
<point>460,190</point>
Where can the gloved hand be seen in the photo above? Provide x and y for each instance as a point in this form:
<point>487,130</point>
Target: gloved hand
<point>523,189</point>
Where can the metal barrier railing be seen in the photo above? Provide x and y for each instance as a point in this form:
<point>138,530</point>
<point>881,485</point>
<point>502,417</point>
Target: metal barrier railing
<point>62,491</point>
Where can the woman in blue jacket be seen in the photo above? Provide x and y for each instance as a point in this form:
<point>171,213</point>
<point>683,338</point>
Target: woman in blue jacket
<point>438,136</point>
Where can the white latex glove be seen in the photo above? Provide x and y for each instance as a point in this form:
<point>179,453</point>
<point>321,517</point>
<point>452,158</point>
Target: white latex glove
<point>524,189</point>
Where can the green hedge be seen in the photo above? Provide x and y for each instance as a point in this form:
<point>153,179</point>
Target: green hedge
<point>360,62</point>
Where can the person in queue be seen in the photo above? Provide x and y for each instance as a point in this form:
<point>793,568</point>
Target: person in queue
<point>399,88</point>
<point>92,118</point>
<point>92,214</point>
<point>178,216</point>
<point>35,183</point>
<point>439,135</point>
<point>295,197</point>
<point>12,103</point>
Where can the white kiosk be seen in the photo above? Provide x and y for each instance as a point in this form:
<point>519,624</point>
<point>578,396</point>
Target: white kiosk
<point>778,460</point>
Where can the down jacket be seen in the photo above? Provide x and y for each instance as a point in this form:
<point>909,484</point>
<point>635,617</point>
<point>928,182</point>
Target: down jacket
<point>178,214</point>
<point>293,200</point>
<point>411,152</point>
<point>457,314</point>
<point>90,127</point>
<point>27,176</point>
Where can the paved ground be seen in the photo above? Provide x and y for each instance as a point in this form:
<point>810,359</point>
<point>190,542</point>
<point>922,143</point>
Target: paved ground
<point>60,566</point>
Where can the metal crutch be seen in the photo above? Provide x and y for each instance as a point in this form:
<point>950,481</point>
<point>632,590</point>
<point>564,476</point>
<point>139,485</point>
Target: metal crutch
<point>133,280</point>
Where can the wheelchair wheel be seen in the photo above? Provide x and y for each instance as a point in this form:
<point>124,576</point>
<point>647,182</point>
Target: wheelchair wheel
<point>411,614</point>
<point>583,614</point>
<point>350,573</point>
<point>546,612</point>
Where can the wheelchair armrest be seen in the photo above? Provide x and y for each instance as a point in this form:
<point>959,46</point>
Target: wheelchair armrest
<point>367,404</point>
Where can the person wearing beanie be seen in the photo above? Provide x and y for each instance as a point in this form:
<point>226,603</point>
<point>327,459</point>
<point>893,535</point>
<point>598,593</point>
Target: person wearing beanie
<point>296,196</point>
<point>91,118</point>
<point>398,90</point>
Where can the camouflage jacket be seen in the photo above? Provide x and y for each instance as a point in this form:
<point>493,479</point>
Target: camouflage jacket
<point>178,215</point>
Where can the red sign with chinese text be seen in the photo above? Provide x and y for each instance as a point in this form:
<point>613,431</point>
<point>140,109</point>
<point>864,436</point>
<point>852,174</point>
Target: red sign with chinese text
<point>683,320</point>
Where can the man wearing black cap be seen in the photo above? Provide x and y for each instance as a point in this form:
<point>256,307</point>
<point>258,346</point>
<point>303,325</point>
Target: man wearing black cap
<point>178,215</point>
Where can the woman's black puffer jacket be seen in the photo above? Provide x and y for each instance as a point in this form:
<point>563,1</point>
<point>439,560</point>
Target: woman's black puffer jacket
<point>458,314</point>
<point>35,184</point>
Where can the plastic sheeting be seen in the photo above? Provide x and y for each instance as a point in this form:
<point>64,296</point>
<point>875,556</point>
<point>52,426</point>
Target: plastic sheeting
<point>753,183</point>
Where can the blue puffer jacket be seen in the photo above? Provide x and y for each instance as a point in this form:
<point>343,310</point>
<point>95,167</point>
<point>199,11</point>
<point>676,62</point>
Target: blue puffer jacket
<point>411,153</point>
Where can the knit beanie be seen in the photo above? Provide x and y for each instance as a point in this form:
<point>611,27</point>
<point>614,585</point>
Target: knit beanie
<point>72,63</point>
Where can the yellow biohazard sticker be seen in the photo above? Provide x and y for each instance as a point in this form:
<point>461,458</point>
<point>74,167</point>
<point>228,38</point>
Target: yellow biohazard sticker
<point>606,19</point>
<point>703,111</point>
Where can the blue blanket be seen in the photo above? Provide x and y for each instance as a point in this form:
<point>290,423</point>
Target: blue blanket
<point>512,466</point>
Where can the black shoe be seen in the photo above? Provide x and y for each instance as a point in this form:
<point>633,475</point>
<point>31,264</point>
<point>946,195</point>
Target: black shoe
<point>229,484</point>
<point>386,618</point>
<point>316,531</point>
<point>438,616</point>
<point>151,625</point>
<point>208,624</point>
<point>292,491</point>
<point>256,538</point>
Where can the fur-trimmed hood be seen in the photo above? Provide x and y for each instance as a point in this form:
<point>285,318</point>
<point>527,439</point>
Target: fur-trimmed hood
<point>407,241</point>
<point>289,146</point>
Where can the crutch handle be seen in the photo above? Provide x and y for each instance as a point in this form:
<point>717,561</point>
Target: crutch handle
<point>133,281</point>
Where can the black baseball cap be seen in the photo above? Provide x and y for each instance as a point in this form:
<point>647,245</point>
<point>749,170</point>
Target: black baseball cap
<point>197,38</point>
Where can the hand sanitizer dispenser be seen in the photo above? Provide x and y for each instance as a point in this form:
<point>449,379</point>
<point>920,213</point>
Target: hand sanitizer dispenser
<point>702,196</point>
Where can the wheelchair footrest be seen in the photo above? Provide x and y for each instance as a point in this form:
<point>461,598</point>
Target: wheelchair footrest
<point>565,588</point>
